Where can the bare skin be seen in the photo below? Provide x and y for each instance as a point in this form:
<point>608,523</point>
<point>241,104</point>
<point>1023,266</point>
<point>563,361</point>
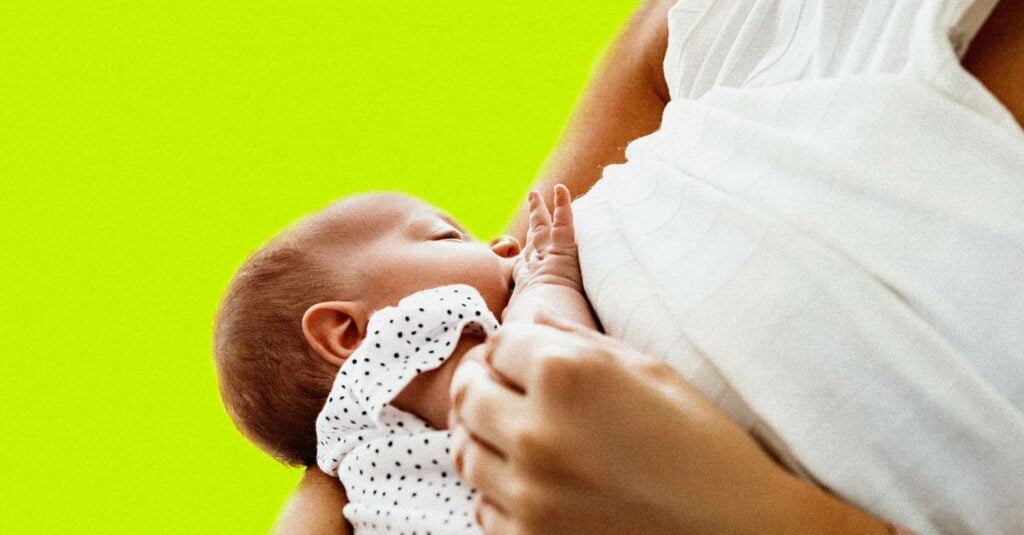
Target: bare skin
<point>996,56</point>
<point>624,101</point>
<point>553,446</point>
<point>314,508</point>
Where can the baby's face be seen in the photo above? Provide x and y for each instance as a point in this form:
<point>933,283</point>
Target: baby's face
<point>404,245</point>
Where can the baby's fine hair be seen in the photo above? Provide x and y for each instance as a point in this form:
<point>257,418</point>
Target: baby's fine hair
<point>273,384</point>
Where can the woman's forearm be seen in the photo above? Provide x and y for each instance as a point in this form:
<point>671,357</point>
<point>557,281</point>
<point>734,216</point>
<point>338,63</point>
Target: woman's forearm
<point>624,100</point>
<point>795,506</point>
<point>314,508</point>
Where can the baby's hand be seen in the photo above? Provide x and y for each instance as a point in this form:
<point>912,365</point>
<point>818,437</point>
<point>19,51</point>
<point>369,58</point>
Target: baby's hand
<point>547,271</point>
<point>550,255</point>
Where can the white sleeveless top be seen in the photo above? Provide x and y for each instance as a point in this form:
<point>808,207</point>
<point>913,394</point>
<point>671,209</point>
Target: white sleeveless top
<point>826,237</point>
<point>734,44</point>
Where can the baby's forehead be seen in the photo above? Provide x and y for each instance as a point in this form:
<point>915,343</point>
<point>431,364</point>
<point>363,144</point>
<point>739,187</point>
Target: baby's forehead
<point>363,217</point>
<point>375,206</point>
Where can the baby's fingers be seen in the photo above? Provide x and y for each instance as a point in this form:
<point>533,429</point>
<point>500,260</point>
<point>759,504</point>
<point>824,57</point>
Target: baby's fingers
<point>563,233</point>
<point>540,222</point>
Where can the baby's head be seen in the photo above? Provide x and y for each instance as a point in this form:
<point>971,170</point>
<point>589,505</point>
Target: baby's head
<point>299,306</point>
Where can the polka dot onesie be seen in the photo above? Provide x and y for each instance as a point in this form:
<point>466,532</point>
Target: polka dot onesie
<point>395,468</point>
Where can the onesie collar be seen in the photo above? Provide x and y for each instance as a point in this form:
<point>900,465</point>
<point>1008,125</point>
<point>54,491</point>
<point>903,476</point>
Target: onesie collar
<point>402,341</point>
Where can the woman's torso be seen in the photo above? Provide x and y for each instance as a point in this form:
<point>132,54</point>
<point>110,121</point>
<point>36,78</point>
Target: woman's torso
<point>829,227</point>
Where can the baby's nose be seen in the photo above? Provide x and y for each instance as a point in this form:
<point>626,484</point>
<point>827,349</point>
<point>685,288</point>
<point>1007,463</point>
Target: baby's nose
<point>505,246</point>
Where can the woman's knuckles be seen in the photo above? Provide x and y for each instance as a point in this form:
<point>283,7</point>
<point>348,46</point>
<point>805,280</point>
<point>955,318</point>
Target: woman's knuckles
<point>473,408</point>
<point>477,394</point>
<point>462,379</point>
<point>532,505</point>
<point>530,447</point>
<point>655,369</point>
<point>558,372</point>
<point>563,377</point>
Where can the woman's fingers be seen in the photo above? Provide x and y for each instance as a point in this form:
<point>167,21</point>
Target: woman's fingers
<point>485,470</point>
<point>625,354</point>
<point>492,520</point>
<point>484,405</point>
<point>520,352</point>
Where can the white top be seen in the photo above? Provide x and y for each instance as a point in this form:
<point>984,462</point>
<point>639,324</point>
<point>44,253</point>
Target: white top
<point>396,469</point>
<point>826,237</point>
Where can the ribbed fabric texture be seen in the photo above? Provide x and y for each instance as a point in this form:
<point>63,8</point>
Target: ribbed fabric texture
<point>826,237</point>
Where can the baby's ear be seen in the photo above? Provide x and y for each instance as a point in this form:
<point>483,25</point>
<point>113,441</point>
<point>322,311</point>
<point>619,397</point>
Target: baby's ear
<point>334,329</point>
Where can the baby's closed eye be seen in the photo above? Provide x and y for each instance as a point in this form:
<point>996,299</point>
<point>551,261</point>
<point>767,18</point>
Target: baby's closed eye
<point>449,235</point>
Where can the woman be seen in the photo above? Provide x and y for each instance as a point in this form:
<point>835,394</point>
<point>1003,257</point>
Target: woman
<point>696,469</point>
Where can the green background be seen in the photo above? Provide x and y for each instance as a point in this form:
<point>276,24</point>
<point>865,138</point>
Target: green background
<point>146,148</point>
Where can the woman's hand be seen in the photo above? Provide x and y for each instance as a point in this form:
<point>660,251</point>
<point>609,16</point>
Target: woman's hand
<point>582,434</point>
<point>564,430</point>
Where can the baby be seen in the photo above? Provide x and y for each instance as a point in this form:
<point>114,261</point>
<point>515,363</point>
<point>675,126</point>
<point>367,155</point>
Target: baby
<point>301,306</point>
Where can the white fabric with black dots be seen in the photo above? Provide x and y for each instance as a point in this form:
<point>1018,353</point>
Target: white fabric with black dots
<point>395,468</point>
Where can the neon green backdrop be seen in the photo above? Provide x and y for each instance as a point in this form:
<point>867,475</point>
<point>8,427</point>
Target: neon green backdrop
<point>147,147</point>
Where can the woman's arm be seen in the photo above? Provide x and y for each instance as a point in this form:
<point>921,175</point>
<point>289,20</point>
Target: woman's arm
<point>314,508</point>
<point>565,429</point>
<point>624,100</point>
